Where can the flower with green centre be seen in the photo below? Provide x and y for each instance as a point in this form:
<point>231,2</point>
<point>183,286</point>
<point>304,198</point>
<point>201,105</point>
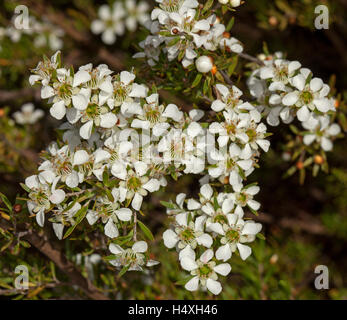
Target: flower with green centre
<point>306,97</point>
<point>232,235</point>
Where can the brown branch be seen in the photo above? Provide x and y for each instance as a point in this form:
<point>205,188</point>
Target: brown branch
<point>251,58</point>
<point>25,93</point>
<point>46,248</point>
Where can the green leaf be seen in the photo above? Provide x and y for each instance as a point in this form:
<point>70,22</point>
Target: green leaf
<point>6,201</point>
<point>145,230</point>
<point>169,205</point>
<point>183,281</point>
<point>230,24</point>
<point>25,187</point>
<point>197,80</point>
<point>207,6</point>
<point>261,236</point>
<point>124,270</point>
<point>173,41</point>
<point>79,217</point>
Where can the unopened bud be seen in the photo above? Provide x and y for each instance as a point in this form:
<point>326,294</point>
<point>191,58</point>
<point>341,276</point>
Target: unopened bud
<point>300,165</point>
<point>204,64</point>
<point>214,70</point>
<point>273,21</point>
<point>17,208</point>
<point>318,159</point>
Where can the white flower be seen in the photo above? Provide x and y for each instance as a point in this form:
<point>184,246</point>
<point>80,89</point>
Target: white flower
<point>136,13</point>
<point>133,258</point>
<point>204,272</point>
<point>235,233</point>
<point>321,132</point>
<point>137,186</point>
<point>28,114</point>
<point>186,233</point>
<point>110,22</point>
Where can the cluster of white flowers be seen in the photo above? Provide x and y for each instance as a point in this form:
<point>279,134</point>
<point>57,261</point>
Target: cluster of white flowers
<point>178,30</point>
<point>44,34</point>
<point>285,90</point>
<point>239,136</point>
<point>216,219</point>
<point>120,143</point>
<point>115,130</point>
<point>28,114</point>
<point>113,21</point>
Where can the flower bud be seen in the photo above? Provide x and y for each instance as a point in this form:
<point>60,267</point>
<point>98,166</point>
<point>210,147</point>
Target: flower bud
<point>318,159</point>
<point>235,3</point>
<point>223,1</point>
<point>204,64</point>
<point>17,208</point>
<point>214,69</point>
<point>300,165</point>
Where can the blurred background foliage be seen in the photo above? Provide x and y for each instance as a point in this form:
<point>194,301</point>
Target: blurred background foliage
<point>305,226</point>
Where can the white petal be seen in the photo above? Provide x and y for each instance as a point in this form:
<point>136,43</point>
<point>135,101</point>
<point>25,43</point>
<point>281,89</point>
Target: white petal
<point>140,246</point>
<point>316,84</point>
<point>255,205</point>
<point>140,168</point>
<point>245,251</point>
<point>80,102</point>
<point>188,263</point>
<point>173,112</point>
<point>115,248</point>
<point>137,202</point>
<point>205,240</point>
<point>194,129</point>
<point>40,217</point>
<point>303,113</point>
<point>108,120</point>
<point>58,230</point>
<point>57,196</point>
<point>309,138</point>
<point>223,252</point>
<point>81,76</point>
<point>152,185</point>
<point>326,144</point>
<point>170,238</point>
<point>111,229</point>
<point>207,191</point>
<point>223,269</point>
<point>218,105</point>
<point>192,284</point>
<point>206,256</point>
<point>80,157</point>
<point>214,286</point>
<point>290,99</point>
<point>124,214</point>
<point>138,91</point>
<point>58,110</point>
<point>126,77</point>
<point>86,130</point>
<point>72,180</point>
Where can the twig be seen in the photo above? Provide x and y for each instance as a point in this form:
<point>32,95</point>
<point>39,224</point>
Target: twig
<point>251,58</point>
<point>46,248</point>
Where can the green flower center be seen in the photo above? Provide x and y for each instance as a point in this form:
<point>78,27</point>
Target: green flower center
<point>134,183</point>
<point>232,235</point>
<point>306,97</point>
<point>92,110</point>
<point>205,271</point>
<point>187,234</point>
